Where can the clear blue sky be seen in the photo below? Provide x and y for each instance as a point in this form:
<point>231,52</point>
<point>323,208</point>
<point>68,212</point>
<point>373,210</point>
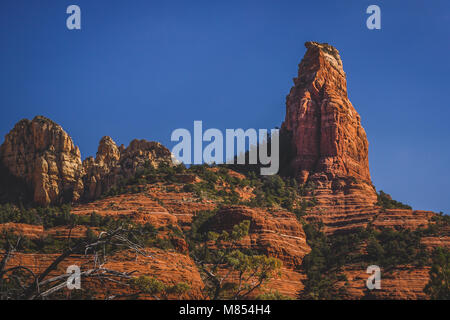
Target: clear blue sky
<point>140,69</point>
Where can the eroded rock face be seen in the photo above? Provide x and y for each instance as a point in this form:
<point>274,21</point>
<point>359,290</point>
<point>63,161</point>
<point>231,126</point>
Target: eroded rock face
<point>43,154</point>
<point>326,130</point>
<point>101,171</point>
<point>114,163</point>
<point>276,233</point>
<point>168,267</point>
<point>141,153</point>
<point>328,145</point>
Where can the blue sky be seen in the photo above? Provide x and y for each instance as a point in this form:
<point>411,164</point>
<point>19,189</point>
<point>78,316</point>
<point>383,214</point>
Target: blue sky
<point>140,69</point>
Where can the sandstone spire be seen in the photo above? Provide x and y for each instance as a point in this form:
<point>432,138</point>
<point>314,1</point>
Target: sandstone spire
<point>326,130</point>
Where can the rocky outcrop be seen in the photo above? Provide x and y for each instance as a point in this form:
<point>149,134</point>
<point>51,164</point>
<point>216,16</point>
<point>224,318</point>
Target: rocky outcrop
<point>141,153</point>
<point>403,283</point>
<point>276,233</point>
<point>167,266</point>
<point>328,145</point>
<point>326,130</point>
<point>113,164</point>
<point>43,154</point>
<point>101,171</point>
<point>140,207</point>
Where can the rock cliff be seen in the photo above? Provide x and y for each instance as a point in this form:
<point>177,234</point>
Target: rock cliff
<point>113,164</point>
<point>43,154</point>
<point>326,130</point>
<point>328,144</point>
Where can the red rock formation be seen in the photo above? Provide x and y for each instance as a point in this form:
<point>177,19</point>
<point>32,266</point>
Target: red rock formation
<point>142,153</point>
<point>167,266</point>
<point>101,171</point>
<point>25,230</point>
<point>43,154</point>
<point>330,153</point>
<point>326,129</point>
<point>113,164</point>
<point>330,146</point>
<point>275,233</point>
<point>402,283</point>
<point>141,208</point>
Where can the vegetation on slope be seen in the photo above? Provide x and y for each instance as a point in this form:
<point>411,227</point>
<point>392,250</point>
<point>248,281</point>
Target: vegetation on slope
<point>215,251</point>
<point>385,200</point>
<point>145,285</point>
<point>438,287</point>
<point>228,272</point>
<point>61,217</point>
<point>325,263</point>
<point>217,184</point>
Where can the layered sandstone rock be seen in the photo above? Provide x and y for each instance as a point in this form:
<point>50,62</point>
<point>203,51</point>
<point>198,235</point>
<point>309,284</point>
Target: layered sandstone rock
<point>326,130</point>
<point>113,164</point>
<point>403,283</point>
<point>329,150</point>
<point>167,266</point>
<point>330,153</point>
<point>140,207</point>
<point>141,153</point>
<point>22,229</point>
<point>329,146</point>
<point>43,154</point>
<point>101,171</point>
<point>276,233</point>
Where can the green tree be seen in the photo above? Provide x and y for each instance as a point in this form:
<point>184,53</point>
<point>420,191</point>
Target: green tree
<point>156,288</point>
<point>438,287</point>
<point>228,272</point>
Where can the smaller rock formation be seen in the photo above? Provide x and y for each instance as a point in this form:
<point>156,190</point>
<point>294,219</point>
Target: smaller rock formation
<point>113,164</point>
<point>142,153</point>
<point>101,171</point>
<point>43,154</point>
